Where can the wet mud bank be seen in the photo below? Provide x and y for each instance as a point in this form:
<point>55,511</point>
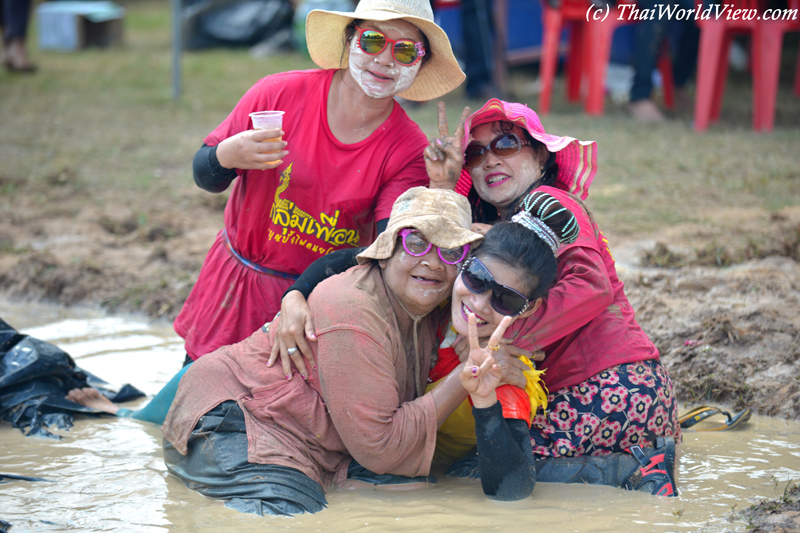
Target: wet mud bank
<point>725,319</point>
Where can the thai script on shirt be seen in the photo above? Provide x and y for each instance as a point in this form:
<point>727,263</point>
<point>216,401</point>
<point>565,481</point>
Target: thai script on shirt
<point>296,224</point>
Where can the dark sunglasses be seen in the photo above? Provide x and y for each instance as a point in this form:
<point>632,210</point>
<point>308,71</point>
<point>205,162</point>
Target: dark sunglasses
<point>414,243</point>
<point>504,300</point>
<point>503,146</point>
<point>404,51</point>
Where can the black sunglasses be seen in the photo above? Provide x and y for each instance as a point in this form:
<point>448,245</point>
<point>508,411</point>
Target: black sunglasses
<point>503,146</point>
<point>504,300</point>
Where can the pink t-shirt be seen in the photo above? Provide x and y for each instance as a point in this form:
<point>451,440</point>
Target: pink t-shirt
<point>586,324</point>
<point>326,195</point>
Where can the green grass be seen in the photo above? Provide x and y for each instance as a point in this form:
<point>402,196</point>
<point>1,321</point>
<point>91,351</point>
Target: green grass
<point>107,118</point>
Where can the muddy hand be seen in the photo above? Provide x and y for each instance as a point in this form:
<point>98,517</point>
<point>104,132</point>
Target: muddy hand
<point>443,156</point>
<point>483,229</point>
<point>481,375</point>
<point>505,355</point>
<point>294,331</point>
<point>516,352</point>
<point>461,347</point>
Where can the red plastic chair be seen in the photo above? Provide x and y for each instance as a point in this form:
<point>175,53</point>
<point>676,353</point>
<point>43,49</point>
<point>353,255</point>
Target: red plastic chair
<point>602,34</point>
<point>712,63</point>
<point>797,78</point>
<point>589,55</point>
<point>554,19</point>
<point>768,42</point>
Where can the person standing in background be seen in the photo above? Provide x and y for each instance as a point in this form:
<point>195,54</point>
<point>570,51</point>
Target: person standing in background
<point>14,16</point>
<point>649,36</point>
<point>478,29</point>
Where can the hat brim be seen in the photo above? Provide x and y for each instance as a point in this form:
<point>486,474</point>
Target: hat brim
<point>437,77</point>
<point>577,160</point>
<point>453,236</point>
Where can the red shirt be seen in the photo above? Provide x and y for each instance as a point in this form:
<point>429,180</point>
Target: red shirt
<point>586,324</point>
<point>326,195</point>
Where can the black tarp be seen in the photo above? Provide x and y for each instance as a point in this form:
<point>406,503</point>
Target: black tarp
<point>228,23</point>
<point>35,377</point>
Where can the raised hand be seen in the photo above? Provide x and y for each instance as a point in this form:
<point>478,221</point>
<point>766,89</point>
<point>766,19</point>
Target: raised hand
<point>483,229</point>
<point>443,156</point>
<point>481,374</point>
<point>506,357</point>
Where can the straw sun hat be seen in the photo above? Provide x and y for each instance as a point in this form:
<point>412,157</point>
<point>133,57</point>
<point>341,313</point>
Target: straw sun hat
<point>437,77</point>
<point>443,216</point>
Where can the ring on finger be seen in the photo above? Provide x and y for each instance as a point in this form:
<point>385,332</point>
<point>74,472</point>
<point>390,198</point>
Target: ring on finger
<point>493,348</point>
<point>292,350</point>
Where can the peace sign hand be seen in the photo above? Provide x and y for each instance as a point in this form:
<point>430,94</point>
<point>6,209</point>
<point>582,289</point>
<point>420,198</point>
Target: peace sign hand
<point>481,375</point>
<point>443,156</point>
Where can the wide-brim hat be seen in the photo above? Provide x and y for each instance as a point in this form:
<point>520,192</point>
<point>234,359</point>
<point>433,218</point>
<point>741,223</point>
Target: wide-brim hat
<point>437,77</point>
<point>444,217</point>
<point>577,160</point>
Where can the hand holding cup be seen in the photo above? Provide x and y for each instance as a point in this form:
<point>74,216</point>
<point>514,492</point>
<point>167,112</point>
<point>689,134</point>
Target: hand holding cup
<point>272,123</point>
<point>260,148</point>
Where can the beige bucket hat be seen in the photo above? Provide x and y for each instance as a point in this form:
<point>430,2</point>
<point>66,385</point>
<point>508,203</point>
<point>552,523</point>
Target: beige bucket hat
<point>437,77</point>
<point>443,216</point>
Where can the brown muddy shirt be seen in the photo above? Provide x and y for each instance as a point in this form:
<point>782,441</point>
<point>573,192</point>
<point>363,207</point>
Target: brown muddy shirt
<point>361,401</point>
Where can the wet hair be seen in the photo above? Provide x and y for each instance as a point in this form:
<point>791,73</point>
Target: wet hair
<point>350,31</point>
<point>483,211</point>
<point>524,250</point>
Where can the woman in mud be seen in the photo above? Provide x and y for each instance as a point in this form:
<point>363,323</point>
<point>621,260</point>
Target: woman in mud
<point>610,396</point>
<point>240,431</point>
<point>608,389</point>
<point>347,151</point>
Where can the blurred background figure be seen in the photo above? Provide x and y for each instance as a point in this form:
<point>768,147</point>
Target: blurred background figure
<point>478,27</point>
<point>649,37</point>
<point>264,26</point>
<point>14,16</point>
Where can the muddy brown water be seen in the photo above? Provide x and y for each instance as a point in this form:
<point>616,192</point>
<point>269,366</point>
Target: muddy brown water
<point>108,474</point>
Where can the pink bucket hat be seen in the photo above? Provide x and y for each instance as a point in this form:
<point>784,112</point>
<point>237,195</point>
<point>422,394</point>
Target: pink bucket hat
<point>577,160</point>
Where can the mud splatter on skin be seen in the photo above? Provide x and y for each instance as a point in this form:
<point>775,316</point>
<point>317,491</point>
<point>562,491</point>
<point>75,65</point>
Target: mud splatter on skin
<point>440,290</point>
<point>402,272</point>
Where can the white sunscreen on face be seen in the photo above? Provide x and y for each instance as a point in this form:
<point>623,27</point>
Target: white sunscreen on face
<point>374,78</point>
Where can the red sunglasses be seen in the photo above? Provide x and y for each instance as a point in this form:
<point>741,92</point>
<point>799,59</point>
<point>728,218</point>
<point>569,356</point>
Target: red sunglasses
<point>404,51</point>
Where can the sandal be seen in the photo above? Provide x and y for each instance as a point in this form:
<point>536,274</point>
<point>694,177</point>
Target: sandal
<point>698,414</point>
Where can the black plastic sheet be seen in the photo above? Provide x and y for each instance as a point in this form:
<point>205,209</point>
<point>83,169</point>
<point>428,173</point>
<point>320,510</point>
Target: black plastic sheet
<point>35,377</point>
<point>229,23</point>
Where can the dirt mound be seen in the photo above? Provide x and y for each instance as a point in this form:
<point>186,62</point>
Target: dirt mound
<point>727,336</point>
<point>779,515</point>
